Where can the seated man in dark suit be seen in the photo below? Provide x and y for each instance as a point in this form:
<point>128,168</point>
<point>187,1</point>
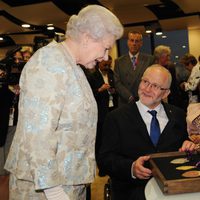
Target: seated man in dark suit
<point>128,135</point>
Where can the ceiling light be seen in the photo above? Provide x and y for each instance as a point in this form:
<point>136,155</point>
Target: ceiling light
<point>50,28</point>
<point>1,38</point>
<point>148,31</point>
<point>159,31</point>
<point>26,25</point>
<point>58,33</point>
<point>164,36</point>
<point>148,28</point>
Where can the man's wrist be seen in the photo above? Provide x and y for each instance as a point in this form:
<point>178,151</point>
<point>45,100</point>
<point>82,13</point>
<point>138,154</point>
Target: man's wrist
<point>132,171</point>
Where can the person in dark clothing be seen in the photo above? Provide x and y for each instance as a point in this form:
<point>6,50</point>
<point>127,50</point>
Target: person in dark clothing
<point>6,97</point>
<point>103,87</point>
<point>129,68</point>
<point>9,95</point>
<point>127,135</point>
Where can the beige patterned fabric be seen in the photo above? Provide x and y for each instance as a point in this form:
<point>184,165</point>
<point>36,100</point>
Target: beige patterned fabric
<point>55,137</point>
<point>193,118</point>
<point>24,190</point>
<point>193,111</point>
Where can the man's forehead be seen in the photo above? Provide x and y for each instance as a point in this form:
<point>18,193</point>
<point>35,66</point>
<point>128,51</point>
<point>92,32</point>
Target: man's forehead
<point>135,35</point>
<point>153,74</point>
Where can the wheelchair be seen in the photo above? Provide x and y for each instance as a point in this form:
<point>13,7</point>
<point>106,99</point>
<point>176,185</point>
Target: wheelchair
<point>107,190</point>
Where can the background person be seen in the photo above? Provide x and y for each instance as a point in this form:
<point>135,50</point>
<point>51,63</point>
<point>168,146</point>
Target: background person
<point>127,135</point>
<point>193,122</point>
<point>162,56</point>
<point>26,55</point>
<point>191,85</point>
<point>9,91</point>
<point>129,68</point>
<point>52,155</point>
<point>103,87</point>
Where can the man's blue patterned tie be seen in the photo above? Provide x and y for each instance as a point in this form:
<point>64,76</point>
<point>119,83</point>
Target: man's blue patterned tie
<point>154,128</point>
<point>134,62</point>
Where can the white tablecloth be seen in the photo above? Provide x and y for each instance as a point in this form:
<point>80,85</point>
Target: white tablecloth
<point>153,192</point>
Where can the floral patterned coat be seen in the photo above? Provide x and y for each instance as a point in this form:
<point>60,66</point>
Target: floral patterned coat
<point>55,137</point>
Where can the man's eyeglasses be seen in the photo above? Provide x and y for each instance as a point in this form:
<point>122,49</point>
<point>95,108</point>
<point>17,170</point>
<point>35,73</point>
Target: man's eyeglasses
<point>154,86</point>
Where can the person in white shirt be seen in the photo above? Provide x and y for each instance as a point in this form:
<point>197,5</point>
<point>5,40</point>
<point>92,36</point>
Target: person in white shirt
<point>191,85</point>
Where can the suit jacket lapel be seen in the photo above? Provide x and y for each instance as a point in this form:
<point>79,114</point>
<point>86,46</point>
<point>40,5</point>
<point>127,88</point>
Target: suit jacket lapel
<point>99,77</point>
<point>171,121</point>
<point>128,63</point>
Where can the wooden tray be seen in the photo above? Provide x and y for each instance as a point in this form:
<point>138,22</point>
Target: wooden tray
<point>169,179</point>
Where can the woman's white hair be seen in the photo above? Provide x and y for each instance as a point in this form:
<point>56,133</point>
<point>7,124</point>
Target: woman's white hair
<point>160,50</point>
<point>96,21</point>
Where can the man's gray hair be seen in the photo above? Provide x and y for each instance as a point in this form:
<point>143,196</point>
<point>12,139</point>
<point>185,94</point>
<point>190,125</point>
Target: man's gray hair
<point>161,69</point>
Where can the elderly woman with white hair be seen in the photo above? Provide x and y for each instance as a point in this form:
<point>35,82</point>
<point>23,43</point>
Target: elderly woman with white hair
<point>52,155</point>
<point>162,56</point>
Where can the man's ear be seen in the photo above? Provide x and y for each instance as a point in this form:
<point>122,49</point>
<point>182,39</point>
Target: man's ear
<point>165,95</point>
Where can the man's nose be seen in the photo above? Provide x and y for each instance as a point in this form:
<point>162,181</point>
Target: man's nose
<point>148,87</point>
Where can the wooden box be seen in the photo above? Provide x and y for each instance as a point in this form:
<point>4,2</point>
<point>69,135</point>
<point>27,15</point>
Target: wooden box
<point>169,179</point>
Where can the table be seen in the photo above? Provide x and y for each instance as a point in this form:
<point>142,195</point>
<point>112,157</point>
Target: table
<point>153,192</point>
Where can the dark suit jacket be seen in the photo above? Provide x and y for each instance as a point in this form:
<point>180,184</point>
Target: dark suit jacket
<point>125,138</point>
<point>174,97</point>
<point>126,79</point>
<point>102,98</point>
<point>6,97</point>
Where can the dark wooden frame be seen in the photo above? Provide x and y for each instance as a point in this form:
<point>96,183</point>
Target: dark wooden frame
<point>175,186</point>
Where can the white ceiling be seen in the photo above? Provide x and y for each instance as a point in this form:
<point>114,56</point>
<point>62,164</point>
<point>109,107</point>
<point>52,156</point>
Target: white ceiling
<point>132,13</point>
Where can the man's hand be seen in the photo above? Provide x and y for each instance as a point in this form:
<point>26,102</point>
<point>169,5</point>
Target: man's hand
<point>182,86</point>
<point>17,89</point>
<point>104,87</point>
<point>139,170</point>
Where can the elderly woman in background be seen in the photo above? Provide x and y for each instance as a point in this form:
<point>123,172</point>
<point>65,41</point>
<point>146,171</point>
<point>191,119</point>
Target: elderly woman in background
<point>191,86</point>
<point>162,56</point>
<point>52,154</point>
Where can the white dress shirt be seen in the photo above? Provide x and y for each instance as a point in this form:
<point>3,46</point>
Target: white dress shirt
<point>146,116</point>
<point>105,78</point>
